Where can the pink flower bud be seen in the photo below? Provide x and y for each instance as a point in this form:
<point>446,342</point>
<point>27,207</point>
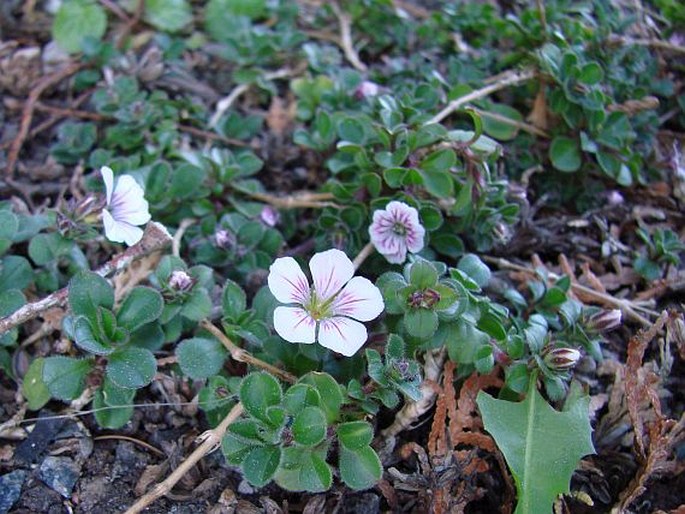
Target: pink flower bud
<point>367,89</point>
<point>269,216</point>
<point>224,239</point>
<point>181,281</point>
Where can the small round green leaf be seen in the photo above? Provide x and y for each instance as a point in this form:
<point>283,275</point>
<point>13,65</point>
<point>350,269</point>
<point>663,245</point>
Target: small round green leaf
<point>34,388</point>
<point>258,392</point>
<point>200,358</point>
<point>87,292</point>
<point>168,15</point>
<point>131,367</point>
<point>76,19</point>
<point>260,464</point>
<point>309,426</point>
<point>355,434</point>
<point>141,306</point>
<point>361,468</point>
<point>87,339</point>
<point>476,269</point>
<point>421,323</point>
<point>564,153</point>
<point>64,376</point>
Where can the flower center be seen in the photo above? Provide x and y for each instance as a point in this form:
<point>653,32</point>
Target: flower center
<point>317,308</point>
<point>399,229</point>
<point>425,299</point>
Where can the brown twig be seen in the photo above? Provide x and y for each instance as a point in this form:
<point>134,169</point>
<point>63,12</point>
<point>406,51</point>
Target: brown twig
<point>212,135</point>
<point>296,200</point>
<point>627,307</point>
<point>522,125</point>
<point>652,43</point>
<point>133,440</point>
<point>510,78</point>
<point>240,355</point>
<point>210,441</point>
<point>27,113</point>
<point>346,42</point>
<point>154,239</point>
<point>362,255</point>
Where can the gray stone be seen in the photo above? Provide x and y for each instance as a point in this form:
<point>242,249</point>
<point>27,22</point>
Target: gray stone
<point>60,474</point>
<point>10,489</point>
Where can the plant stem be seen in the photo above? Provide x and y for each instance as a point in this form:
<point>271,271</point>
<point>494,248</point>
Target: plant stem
<point>210,441</point>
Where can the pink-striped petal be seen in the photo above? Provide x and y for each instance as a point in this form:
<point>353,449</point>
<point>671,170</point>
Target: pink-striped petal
<point>342,335</point>
<point>330,271</point>
<point>359,299</point>
<point>295,325</point>
<point>120,231</point>
<point>128,202</point>
<point>287,282</point>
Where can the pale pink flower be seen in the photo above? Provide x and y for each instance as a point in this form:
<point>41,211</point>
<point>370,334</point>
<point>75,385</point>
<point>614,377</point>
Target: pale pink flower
<point>396,230</point>
<point>126,208</point>
<point>331,309</point>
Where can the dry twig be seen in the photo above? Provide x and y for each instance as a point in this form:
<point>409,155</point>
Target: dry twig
<point>154,239</point>
<point>210,441</point>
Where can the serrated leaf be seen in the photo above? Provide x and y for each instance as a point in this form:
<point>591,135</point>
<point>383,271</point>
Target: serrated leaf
<point>200,358</point>
<point>535,439</point>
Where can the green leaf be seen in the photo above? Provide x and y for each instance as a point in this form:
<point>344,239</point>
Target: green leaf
<point>591,73</point>
<point>75,20</point>
<point>87,292</point>
<point>86,339</point>
<point>299,396</point>
<point>131,367</point>
<point>355,435</point>
<point>233,300</point>
<point>34,388</point>
<point>200,358</point>
<point>168,15</point>
<point>112,404</point>
<point>361,468</point>
<point>260,464</point>
<point>498,129</point>
<point>219,14</point>
<point>476,269</point>
<point>534,439</point>
<point>9,224</point>
<point>329,390</point>
<point>309,426</point>
<point>64,376</point>
<point>421,323</point>
<point>422,274</point>
<point>304,470</point>
<point>258,392</point>
<point>463,340</point>
<point>141,306</point>
<point>15,273</point>
<point>439,161</point>
<point>564,153</point>
<point>198,306</point>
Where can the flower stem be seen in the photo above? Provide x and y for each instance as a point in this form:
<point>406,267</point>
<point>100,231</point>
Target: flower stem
<point>363,254</point>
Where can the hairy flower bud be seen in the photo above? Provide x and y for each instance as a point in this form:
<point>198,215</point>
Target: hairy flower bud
<point>604,321</point>
<point>181,281</point>
<point>224,239</point>
<point>561,359</point>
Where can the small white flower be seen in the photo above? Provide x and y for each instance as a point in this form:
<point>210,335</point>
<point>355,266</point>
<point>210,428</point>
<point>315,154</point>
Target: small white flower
<point>331,309</point>
<point>126,208</point>
<point>396,230</point>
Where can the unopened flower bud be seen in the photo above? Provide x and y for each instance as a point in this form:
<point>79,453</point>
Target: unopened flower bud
<point>604,321</point>
<point>269,216</point>
<point>425,299</point>
<point>181,281</point>
<point>561,359</point>
<point>367,89</point>
<point>224,239</point>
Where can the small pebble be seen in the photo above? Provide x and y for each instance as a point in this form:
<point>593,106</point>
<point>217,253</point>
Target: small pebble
<point>60,474</point>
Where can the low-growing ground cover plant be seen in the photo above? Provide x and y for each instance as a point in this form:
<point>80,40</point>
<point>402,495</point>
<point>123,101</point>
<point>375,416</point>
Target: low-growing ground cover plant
<point>410,254</point>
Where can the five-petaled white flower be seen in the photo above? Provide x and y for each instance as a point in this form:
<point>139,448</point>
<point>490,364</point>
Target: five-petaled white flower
<point>126,208</point>
<point>331,309</point>
<point>396,230</point>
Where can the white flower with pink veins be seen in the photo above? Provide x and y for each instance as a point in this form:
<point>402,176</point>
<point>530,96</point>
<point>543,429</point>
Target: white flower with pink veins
<point>330,310</point>
<point>396,230</point>
<point>126,208</point>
